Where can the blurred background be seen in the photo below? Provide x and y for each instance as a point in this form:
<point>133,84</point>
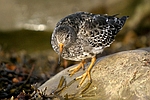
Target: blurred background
<point>26,27</point>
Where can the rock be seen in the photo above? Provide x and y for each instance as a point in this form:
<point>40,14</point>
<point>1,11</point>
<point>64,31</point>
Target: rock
<point>120,76</point>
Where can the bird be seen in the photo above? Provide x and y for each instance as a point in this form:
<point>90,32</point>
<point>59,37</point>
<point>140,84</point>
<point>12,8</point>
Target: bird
<point>83,35</point>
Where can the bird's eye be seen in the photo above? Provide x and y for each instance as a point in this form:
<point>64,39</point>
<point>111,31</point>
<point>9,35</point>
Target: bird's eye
<point>67,36</point>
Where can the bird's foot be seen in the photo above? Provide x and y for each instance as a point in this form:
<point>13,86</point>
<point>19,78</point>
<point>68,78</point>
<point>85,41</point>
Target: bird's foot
<point>77,68</point>
<point>83,76</point>
<point>87,73</point>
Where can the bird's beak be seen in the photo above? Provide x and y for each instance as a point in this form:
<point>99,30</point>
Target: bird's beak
<point>60,48</point>
<point>60,51</point>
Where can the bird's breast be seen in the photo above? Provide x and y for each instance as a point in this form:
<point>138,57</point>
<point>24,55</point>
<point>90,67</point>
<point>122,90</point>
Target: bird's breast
<point>78,52</point>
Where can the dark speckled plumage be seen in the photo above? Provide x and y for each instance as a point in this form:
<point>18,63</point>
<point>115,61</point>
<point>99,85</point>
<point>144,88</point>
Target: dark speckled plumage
<point>85,34</point>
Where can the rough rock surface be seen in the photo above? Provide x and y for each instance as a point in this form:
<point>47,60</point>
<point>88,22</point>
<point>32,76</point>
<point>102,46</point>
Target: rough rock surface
<point>120,76</point>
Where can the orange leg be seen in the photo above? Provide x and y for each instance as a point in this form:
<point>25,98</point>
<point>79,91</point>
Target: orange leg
<point>87,73</point>
<point>77,68</point>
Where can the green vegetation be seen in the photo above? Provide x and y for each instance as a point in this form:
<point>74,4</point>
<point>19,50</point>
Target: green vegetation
<point>25,40</point>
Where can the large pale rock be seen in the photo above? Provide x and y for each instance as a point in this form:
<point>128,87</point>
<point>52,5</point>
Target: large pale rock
<point>120,76</point>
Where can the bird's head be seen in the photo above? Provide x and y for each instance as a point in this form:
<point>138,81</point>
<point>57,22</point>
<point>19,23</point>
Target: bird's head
<point>64,36</point>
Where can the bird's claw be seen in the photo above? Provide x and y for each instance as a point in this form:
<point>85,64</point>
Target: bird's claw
<point>77,68</point>
<point>82,77</point>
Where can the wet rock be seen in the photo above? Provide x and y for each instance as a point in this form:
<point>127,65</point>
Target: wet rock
<point>123,76</point>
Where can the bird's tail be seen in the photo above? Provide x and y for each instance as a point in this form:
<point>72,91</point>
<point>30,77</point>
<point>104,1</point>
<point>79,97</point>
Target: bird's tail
<point>117,23</point>
<point>123,20</point>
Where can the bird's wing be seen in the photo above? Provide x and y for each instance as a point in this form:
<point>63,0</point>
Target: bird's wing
<point>96,31</point>
<point>100,30</point>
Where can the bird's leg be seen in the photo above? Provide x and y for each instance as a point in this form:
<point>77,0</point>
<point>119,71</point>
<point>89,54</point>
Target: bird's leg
<point>77,68</point>
<point>87,73</point>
